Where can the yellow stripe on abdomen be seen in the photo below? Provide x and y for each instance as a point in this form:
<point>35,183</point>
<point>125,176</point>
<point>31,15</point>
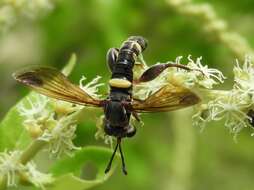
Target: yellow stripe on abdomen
<point>119,83</point>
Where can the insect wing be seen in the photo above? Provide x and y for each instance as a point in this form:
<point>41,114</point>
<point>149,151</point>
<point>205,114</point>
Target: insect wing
<point>170,97</point>
<point>52,83</point>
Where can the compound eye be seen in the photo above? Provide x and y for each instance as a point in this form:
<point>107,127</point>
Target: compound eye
<point>131,131</point>
<point>108,129</point>
<point>140,40</point>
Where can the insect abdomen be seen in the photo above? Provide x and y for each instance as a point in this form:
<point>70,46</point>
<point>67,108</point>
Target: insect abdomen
<point>126,57</point>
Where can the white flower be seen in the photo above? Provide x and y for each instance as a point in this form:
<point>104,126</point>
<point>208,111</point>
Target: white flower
<point>91,88</point>
<point>211,75</point>
<point>244,77</point>
<point>51,121</point>
<point>60,137</point>
<point>36,177</point>
<point>233,105</point>
<point>181,77</point>
<point>202,117</point>
<point>12,10</point>
<point>198,77</point>
<point>34,107</point>
<point>145,89</point>
<point>36,113</point>
<point>232,108</point>
<point>228,105</point>
<point>9,166</point>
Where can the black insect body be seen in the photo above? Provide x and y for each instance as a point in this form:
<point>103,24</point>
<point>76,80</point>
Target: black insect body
<point>117,117</point>
<point>121,63</point>
<point>119,105</point>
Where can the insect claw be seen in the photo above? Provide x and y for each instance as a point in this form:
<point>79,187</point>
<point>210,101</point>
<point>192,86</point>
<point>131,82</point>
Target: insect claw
<point>124,171</point>
<point>122,157</point>
<point>107,169</point>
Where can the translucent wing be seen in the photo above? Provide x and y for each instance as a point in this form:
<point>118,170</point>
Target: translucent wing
<point>54,84</point>
<point>170,97</point>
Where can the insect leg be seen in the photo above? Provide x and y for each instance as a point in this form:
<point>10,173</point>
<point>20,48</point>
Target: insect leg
<point>154,71</point>
<point>111,57</point>
<point>111,159</point>
<point>122,157</point>
<point>136,116</point>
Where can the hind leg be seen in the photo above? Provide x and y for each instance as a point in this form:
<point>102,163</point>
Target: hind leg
<point>155,70</point>
<point>112,57</point>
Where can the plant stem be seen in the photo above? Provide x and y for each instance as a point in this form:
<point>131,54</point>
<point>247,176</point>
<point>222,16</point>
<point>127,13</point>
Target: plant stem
<point>182,153</point>
<point>37,145</point>
<point>208,94</point>
<point>32,150</point>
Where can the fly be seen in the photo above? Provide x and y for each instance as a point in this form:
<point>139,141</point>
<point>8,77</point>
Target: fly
<point>119,105</point>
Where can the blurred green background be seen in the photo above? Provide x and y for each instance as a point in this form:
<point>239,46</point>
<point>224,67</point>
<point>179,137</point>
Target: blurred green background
<point>167,153</point>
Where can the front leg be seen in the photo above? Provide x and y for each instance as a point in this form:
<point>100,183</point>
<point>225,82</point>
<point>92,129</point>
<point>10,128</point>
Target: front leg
<point>112,55</point>
<point>136,116</point>
<point>127,106</point>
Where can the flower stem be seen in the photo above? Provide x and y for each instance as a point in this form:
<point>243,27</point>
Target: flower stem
<point>32,150</point>
<point>208,94</point>
<point>183,152</point>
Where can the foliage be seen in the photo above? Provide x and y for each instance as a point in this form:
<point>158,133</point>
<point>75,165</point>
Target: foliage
<point>36,113</point>
<point>167,145</point>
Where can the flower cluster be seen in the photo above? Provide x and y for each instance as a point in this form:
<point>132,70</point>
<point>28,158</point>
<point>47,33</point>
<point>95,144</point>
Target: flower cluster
<point>10,168</point>
<point>92,87</point>
<point>235,106</point>
<point>60,136</point>
<point>11,10</point>
<point>35,110</point>
<point>49,122</point>
<point>199,77</point>
<point>54,121</point>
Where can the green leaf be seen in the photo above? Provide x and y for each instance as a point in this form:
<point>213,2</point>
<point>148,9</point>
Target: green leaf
<point>12,133</point>
<point>66,170</point>
<point>70,65</point>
